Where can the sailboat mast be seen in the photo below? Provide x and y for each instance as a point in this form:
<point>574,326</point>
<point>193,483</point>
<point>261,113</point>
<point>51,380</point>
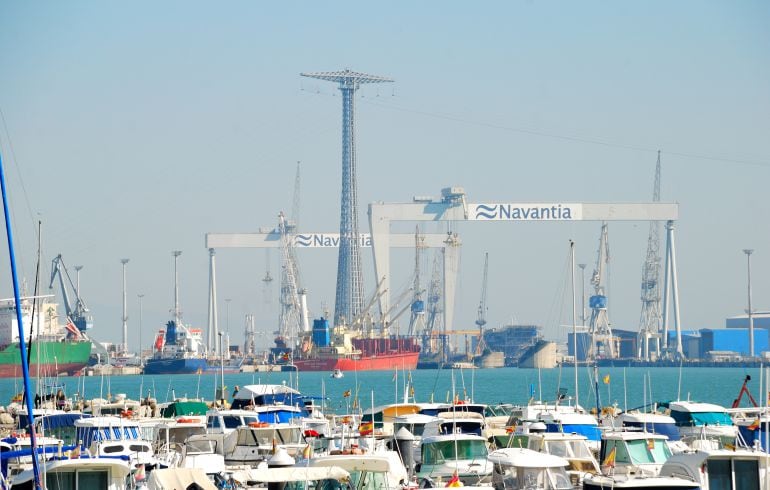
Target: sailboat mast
<point>574,319</point>
<point>20,325</point>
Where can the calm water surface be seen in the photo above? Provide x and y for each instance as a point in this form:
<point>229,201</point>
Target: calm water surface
<point>625,387</point>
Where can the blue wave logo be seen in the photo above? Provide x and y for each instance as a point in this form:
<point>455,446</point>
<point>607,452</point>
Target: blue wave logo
<point>486,212</point>
<point>303,240</point>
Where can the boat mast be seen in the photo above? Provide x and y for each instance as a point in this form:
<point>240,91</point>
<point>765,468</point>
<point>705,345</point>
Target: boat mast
<point>574,319</point>
<point>20,325</point>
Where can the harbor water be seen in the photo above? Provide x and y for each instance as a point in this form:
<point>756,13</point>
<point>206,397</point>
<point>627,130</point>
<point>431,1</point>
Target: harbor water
<point>624,386</point>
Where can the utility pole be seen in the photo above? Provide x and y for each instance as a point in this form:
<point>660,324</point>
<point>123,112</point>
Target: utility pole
<point>748,253</point>
<point>125,313</point>
<point>141,360</point>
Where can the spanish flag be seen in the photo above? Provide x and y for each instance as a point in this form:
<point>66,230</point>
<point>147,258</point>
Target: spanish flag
<point>346,394</point>
<point>754,425</point>
<point>606,379</point>
<point>454,481</point>
<point>610,459</point>
<point>366,428</point>
<point>307,452</point>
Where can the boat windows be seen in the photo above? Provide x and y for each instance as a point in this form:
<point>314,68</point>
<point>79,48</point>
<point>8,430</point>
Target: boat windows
<point>415,429</point>
<point>720,474</point>
<point>559,479</point>
<point>139,448</point>
<point>439,452</point>
<point>689,419</point>
<point>232,421</point>
<point>74,480</point>
<point>213,423</point>
<point>112,449</point>
<point>621,453</point>
<point>648,451</point>
<point>368,480</point>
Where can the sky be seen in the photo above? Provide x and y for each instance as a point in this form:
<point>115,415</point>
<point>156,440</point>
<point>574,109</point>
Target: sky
<point>132,129</point>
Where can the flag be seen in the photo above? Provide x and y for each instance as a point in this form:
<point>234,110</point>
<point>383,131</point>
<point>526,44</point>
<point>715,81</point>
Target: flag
<point>346,394</point>
<point>610,459</point>
<point>285,356</point>
<point>71,328</point>
<point>140,475</point>
<point>307,452</point>
<point>754,425</point>
<point>454,481</point>
<point>650,444</point>
<point>366,428</point>
<point>606,379</point>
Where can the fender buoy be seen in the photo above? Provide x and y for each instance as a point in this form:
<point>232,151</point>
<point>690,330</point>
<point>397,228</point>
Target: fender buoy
<point>258,424</point>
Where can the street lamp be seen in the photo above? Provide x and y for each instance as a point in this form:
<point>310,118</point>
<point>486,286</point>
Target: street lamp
<point>227,327</point>
<point>140,296</point>
<point>748,252</point>
<point>125,313</point>
<point>583,293</point>
<point>222,372</point>
<point>77,281</point>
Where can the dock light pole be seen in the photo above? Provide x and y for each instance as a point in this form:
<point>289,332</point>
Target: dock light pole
<point>221,372</point>
<point>125,313</point>
<point>583,293</point>
<point>141,360</point>
<point>748,252</point>
<point>77,282</point>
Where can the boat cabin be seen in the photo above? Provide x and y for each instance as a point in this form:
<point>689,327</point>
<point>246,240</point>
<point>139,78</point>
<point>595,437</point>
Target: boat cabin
<point>525,468</point>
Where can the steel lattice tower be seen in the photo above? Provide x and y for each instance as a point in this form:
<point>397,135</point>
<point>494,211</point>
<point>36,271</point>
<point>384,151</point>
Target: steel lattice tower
<point>650,321</point>
<point>349,302</point>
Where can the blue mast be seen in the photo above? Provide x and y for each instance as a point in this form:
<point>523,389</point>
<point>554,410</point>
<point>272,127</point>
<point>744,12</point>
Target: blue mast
<point>20,324</point>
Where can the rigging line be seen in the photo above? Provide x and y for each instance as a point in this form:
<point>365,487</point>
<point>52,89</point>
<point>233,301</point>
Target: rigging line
<point>578,139</point>
<point>16,163</point>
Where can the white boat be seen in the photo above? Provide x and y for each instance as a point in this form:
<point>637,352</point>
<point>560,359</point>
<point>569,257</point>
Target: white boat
<point>90,473</point>
<point>337,374</point>
<point>702,425</point>
<point>640,453</point>
<point>718,469</point>
<point>380,470</point>
<point>528,469</point>
<point>464,455</point>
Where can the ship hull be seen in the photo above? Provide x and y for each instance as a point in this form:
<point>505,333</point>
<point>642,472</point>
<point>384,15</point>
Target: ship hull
<point>381,362</point>
<point>47,358</point>
<point>175,366</point>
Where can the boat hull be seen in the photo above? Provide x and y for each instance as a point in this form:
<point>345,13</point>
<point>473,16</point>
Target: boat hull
<point>176,366</point>
<point>382,362</point>
<point>47,358</point>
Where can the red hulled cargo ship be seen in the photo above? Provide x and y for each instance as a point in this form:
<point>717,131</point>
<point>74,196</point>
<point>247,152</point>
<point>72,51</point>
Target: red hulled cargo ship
<point>350,350</point>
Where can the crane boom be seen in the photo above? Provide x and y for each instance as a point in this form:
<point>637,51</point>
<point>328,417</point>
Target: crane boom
<point>77,312</point>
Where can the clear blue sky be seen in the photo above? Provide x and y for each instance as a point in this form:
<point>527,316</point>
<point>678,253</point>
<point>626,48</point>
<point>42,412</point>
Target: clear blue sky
<point>132,129</point>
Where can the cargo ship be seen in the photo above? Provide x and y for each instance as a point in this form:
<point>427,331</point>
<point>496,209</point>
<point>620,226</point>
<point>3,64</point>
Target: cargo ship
<point>55,348</point>
<point>178,350</point>
<point>340,348</point>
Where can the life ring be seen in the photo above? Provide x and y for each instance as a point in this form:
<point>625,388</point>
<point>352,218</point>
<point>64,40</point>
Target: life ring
<point>127,414</point>
<point>258,424</point>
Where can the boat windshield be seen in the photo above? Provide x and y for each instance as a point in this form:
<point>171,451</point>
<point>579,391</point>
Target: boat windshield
<point>542,478</point>
<point>415,429</point>
<point>439,452</point>
<point>368,480</point>
<point>688,419</point>
<point>568,449</point>
<point>648,451</point>
<point>559,479</point>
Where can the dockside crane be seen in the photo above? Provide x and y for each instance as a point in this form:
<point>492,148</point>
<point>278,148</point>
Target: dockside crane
<point>599,324</point>
<point>77,311</point>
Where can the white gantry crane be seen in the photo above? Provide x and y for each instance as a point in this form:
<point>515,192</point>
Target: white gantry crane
<point>602,342</point>
<point>651,319</point>
<point>293,320</point>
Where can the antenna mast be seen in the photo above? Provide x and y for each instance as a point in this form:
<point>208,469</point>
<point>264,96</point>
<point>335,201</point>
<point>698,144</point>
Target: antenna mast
<point>350,288</point>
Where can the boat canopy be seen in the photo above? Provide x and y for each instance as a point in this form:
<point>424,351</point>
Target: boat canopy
<point>689,419</point>
<point>189,407</point>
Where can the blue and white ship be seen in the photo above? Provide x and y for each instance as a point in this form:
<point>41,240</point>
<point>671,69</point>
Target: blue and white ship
<point>178,350</point>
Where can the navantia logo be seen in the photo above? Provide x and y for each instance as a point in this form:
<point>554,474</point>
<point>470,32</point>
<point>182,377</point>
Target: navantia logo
<point>303,240</point>
<point>527,211</point>
<point>484,211</point>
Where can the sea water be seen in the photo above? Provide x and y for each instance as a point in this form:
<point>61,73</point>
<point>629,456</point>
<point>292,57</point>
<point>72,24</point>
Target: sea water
<point>626,387</point>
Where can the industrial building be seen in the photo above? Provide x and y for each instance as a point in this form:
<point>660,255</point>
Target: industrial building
<point>512,340</point>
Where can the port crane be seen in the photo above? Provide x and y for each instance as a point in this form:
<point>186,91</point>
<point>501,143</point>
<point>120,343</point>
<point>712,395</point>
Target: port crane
<point>599,324</point>
<point>77,311</point>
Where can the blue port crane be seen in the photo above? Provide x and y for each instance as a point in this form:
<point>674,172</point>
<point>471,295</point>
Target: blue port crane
<point>77,311</point>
